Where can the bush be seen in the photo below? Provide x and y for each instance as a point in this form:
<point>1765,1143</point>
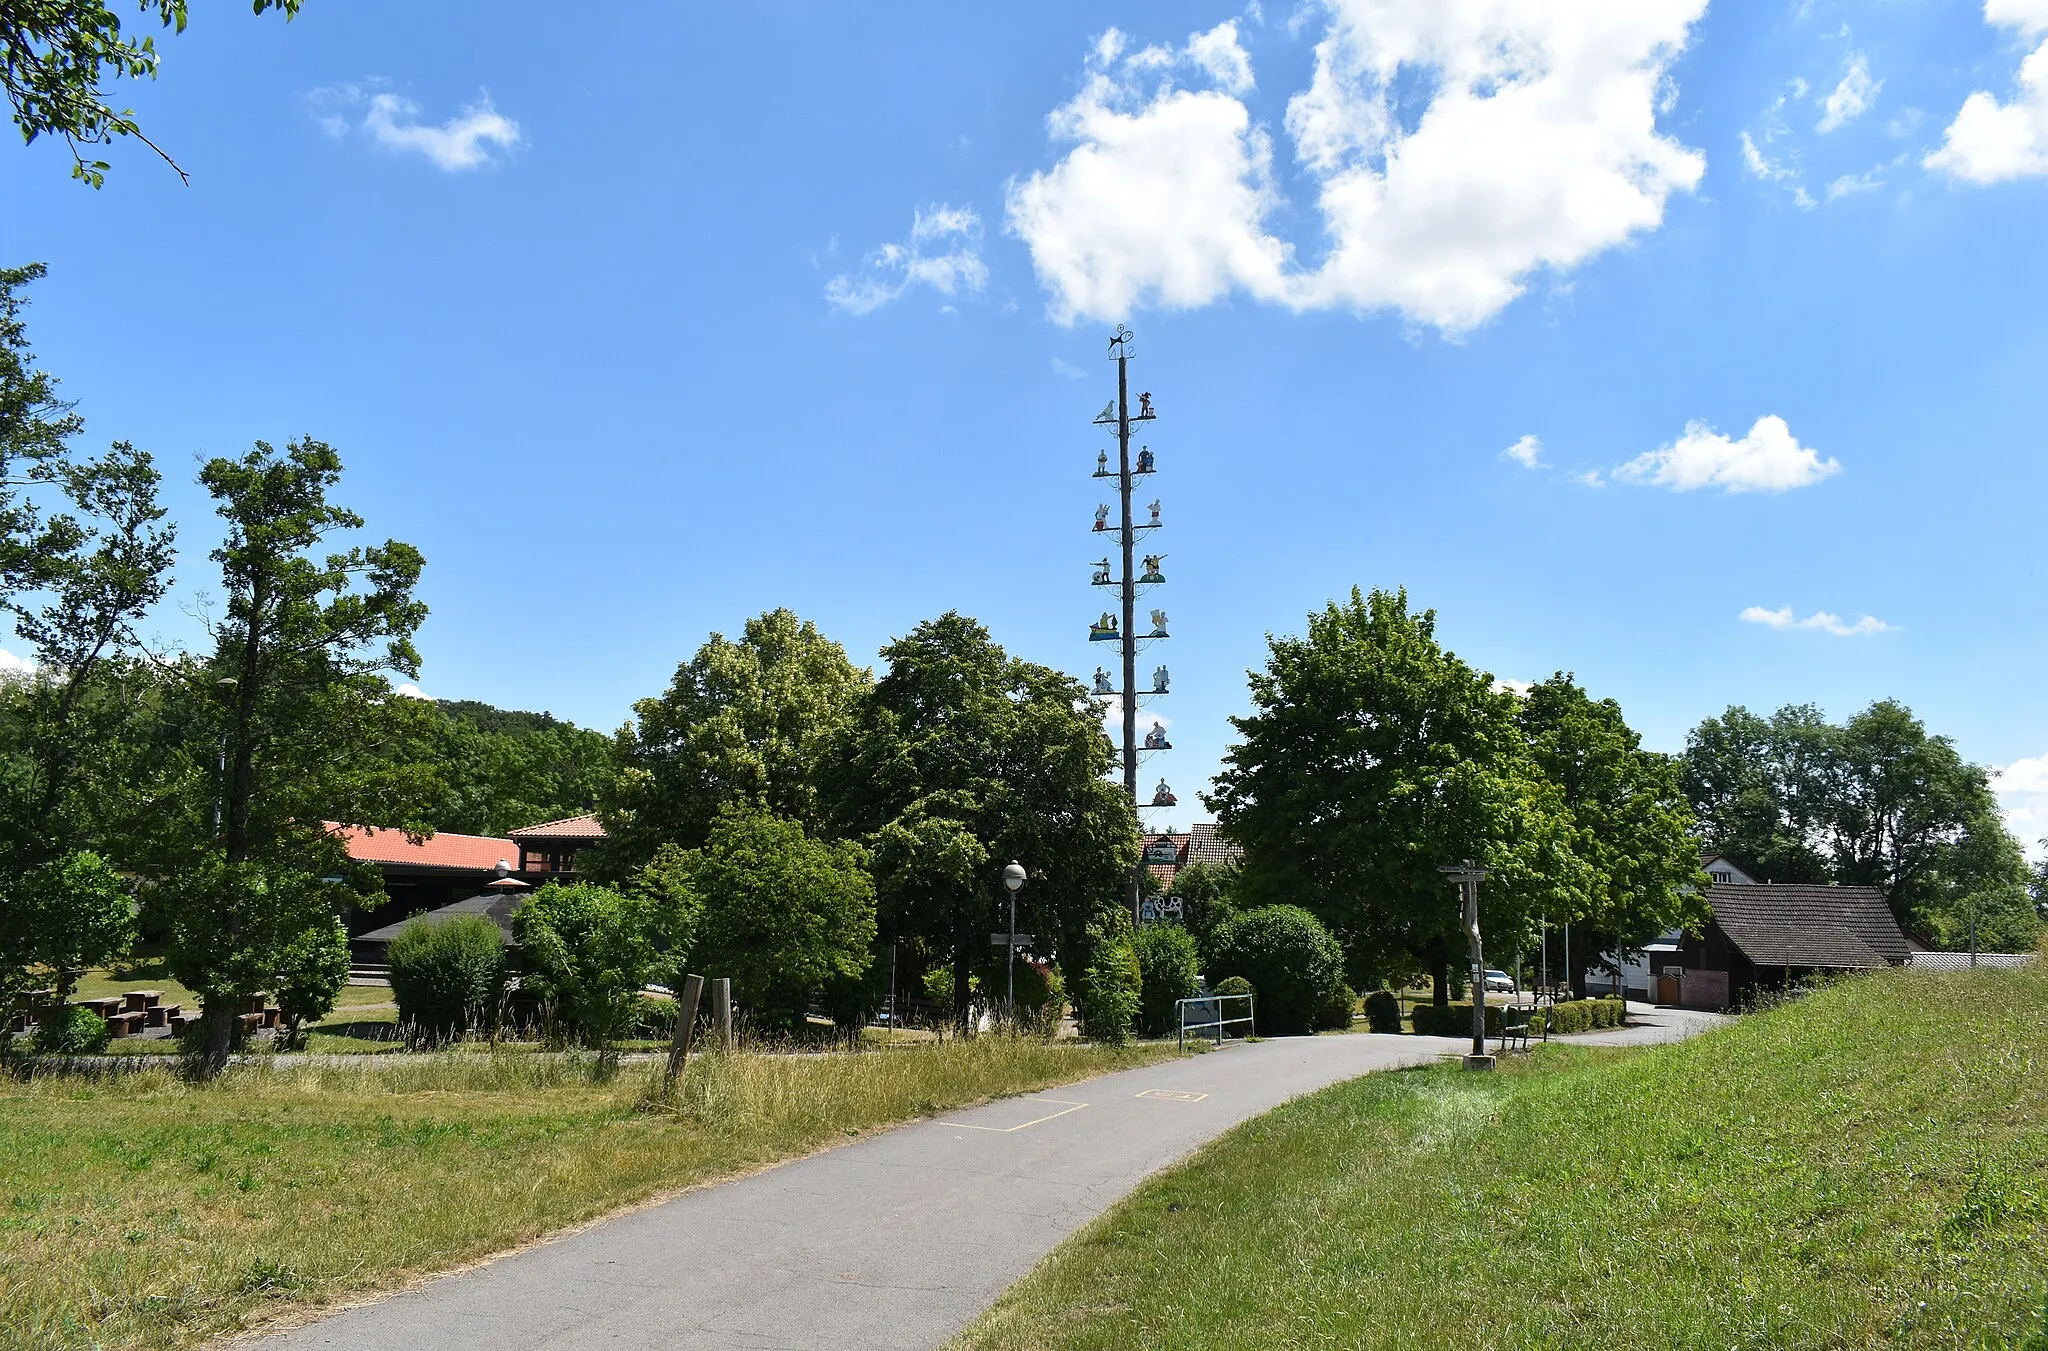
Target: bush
<point>449,977</point>
<point>1335,1015</point>
<point>1578,1015</point>
<point>1168,967</point>
<point>72,1030</point>
<point>1290,957</point>
<point>1107,996</point>
<point>1233,985</point>
<point>1383,1011</point>
<point>588,950</point>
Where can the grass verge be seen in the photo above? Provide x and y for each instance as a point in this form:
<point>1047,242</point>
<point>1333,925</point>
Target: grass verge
<point>1868,1166</point>
<point>141,1210</point>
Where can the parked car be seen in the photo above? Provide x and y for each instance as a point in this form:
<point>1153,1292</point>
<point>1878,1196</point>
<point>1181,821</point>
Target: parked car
<point>1500,982</point>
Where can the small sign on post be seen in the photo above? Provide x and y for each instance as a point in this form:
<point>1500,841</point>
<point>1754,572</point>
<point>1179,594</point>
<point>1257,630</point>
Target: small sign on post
<point>1009,940</point>
<point>686,1026</point>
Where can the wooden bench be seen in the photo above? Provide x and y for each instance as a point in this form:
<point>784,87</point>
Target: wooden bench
<point>141,1001</point>
<point>1514,1028</point>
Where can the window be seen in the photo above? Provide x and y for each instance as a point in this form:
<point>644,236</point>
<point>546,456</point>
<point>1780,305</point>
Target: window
<point>1720,876</point>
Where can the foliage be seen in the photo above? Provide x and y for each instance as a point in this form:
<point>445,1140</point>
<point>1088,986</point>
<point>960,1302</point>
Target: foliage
<point>1340,1004</point>
<point>311,972</point>
<point>743,724</point>
<point>1373,758</point>
<point>72,1029</point>
<point>1208,893</point>
<point>1875,801</point>
<point>1383,1011</point>
<point>282,724</point>
<point>962,759</point>
<point>588,950</point>
<point>494,770</point>
<point>783,914</point>
<point>1632,826</point>
<point>1110,990</point>
<point>54,54</point>
<point>448,978</point>
<point>59,919</point>
<point>1290,959</point>
<point>1860,1168</point>
<point>1235,985</point>
<point>1574,1015</point>
<point>1170,970</point>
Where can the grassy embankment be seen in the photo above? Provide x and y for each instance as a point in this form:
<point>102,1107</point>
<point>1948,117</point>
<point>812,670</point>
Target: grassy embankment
<point>140,1210</point>
<point>1868,1166</point>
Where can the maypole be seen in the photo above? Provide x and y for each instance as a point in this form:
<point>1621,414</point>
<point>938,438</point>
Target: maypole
<point>1138,573</point>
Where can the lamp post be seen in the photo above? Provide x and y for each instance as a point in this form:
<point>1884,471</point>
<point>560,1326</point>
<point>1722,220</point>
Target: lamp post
<point>1014,878</point>
<point>1468,876</point>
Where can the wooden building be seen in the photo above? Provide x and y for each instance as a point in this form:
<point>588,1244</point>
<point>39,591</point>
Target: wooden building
<point>1774,935</point>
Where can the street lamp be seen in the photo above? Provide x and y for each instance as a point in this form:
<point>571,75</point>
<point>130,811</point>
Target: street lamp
<point>1014,878</point>
<point>1468,876</point>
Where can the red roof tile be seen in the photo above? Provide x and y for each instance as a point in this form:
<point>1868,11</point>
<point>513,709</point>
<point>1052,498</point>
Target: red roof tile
<point>583,827</point>
<point>466,853</point>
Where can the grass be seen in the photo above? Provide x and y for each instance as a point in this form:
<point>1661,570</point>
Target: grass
<point>100,984</point>
<point>1867,1166</point>
<point>138,1209</point>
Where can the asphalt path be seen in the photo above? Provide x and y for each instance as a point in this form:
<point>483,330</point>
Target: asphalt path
<point>896,1241</point>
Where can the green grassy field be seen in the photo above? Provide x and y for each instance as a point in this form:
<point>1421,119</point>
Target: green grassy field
<point>140,1210</point>
<point>1867,1166</point>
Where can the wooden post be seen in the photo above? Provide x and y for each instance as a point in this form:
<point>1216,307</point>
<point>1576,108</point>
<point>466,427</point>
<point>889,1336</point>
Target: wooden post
<point>721,1010</point>
<point>686,1026</point>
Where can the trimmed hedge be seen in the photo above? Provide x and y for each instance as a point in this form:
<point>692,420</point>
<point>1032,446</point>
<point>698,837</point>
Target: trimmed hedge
<point>1575,1015</point>
<point>1335,1015</point>
<point>1291,958</point>
<point>1383,1011</point>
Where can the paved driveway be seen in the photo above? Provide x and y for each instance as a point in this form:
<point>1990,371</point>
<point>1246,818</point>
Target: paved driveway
<point>898,1240</point>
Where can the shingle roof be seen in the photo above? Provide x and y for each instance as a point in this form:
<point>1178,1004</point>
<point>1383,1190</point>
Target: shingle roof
<point>1960,961</point>
<point>1828,928</point>
<point>463,853</point>
<point>584,827</point>
<point>1206,846</point>
<point>492,906</point>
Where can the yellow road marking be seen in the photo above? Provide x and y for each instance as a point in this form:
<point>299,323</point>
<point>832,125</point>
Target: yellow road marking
<point>1172,1095</point>
<point>1065,1107</point>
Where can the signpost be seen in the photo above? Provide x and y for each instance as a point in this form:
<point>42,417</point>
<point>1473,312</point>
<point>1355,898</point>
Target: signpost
<point>1468,876</point>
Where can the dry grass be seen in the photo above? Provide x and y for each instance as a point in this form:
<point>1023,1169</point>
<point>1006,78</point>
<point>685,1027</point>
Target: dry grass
<point>141,1210</point>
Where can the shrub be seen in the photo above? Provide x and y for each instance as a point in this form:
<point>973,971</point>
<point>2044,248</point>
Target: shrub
<point>311,971</point>
<point>1335,1015</point>
<point>1290,957</point>
<point>588,950</point>
<point>1168,967</point>
<point>1383,1011</point>
<point>72,1030</point>
<point>1578,1015</point>
<point>1233,985</point>
<point>1106,998</point>
<point>447,977</point>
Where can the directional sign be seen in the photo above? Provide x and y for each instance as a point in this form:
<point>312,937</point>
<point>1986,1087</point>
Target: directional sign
<point>1009,940</point>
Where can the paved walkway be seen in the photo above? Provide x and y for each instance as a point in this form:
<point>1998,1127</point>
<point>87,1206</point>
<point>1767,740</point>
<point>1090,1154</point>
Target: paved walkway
<point>897,1241</point>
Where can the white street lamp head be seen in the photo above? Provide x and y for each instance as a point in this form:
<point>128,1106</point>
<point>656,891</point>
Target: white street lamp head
<point>1013,877</point>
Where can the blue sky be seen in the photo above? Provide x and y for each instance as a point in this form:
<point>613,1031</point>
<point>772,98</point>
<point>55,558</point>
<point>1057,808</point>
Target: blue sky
<point>640,326</point>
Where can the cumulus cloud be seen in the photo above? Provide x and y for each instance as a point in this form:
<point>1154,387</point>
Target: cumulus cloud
<point>1455,148</point>
<point>474,137</point>
<point>942,251</point>
<point>2022,789</point>
<point>1990,141</point>
<point>412,691</point>
<point>11,665</point>
<point>1823,620</point>
<point>1768,459</point>
<point>1509,685</point>
<point>1851,98</point>
<point>1527,452</point>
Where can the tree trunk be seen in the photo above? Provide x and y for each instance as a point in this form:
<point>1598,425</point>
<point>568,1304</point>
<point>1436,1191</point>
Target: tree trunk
<point>218,1015</point>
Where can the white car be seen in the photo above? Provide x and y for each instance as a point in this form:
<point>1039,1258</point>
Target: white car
<point>1500,982</point>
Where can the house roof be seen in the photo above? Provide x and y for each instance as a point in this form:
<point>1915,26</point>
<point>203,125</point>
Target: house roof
<point>1960,961</point>
<point>1206,846</point>
<point>444,851</point>
<point>492,906</point>
<point>1825,928</point>
<point>584,827</point>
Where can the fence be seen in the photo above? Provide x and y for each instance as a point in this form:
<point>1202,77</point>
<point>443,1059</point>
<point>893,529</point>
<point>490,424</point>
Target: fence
<point>1209,1013</point>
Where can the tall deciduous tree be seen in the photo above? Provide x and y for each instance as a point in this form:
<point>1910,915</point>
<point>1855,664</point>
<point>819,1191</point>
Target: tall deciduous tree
<point>54,56</point>
<point>292,702</point>
<point>962,759</point>
<point>1374,758</point>
<point>744,722</point>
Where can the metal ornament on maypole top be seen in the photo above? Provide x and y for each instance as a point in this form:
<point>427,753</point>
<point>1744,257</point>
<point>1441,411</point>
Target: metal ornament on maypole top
<point>1468,875</point>
<point>1137,571</point>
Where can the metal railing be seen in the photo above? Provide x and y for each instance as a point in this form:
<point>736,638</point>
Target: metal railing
<point>1206,1013</point>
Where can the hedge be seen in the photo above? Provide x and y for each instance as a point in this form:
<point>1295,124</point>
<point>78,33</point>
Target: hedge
<point>1293,961</point>
<point>1383,1011</point>
<point>1576,1015</point>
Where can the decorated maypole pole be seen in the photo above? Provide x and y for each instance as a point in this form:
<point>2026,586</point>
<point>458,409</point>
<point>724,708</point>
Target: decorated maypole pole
<point>1137,574</point>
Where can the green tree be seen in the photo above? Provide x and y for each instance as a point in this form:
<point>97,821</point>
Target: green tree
<point>1295,966</point>
<point>1110,989</point>
<point>962,759</point>
<point>589,950</point>
<point>743,723</point>
<point>54,56</point>
<point>1632,824</point>
<point>497,770</point>
<point>1373,758</point>
<point>283,722</point>
<point>58,919</point>
<point>785,915</point>
<point>1208,893</point>
<point>1170,968</point>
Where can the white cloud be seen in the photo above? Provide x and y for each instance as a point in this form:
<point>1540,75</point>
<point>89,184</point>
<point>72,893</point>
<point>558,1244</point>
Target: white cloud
<point>1527,452</point>
<point>2022,789</point>
<point>1823,620</point>
<point>1990,141</point>
<point>1509,685</point>
<point>1760,165</point>
<point>1768,459</point>
<point>1851,98</point>
<point>412,691</point>
<point>471,139</point>
<point>1061,366</point>
<point>11,665</point>
<point>1535,147</point>
<point>1590,478</point>
<point>943,251</point>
